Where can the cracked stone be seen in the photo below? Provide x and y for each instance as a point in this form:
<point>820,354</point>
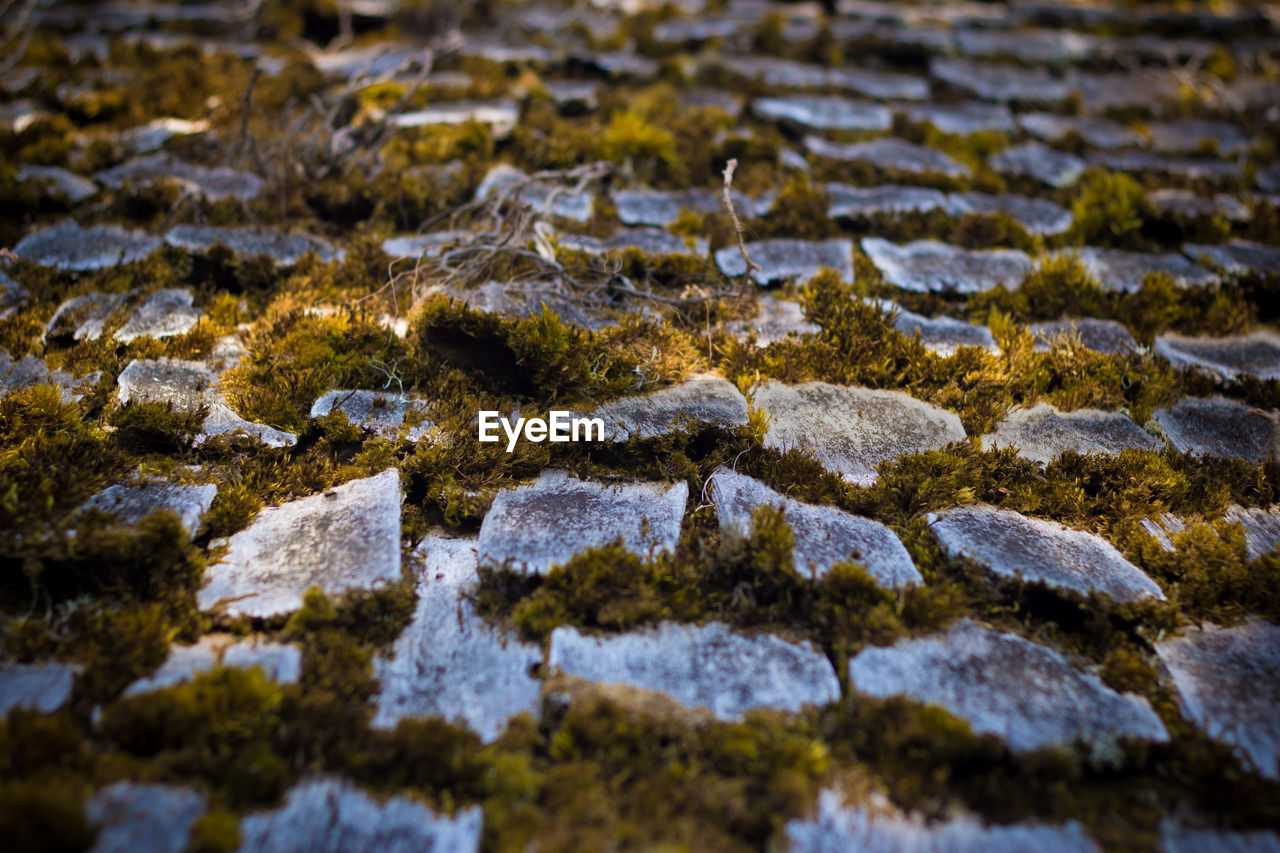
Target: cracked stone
<point>1228,683</point>
<point>928,265</point>
<point>43,687</point>
<point>1261,528</point>
<point>58,183</point>
<point>702,666</point>
<point>996,82</point>
<point>964,118</point>
<point>889,153</point>
<point>1239,257</point>
<point>703,399</point>
<point>334,816</point>
<point>285,248</point>
<point>824,112</point>
<point>1037,215</point>
<point>1186,203</point>
<point>162,314</point>
<point>823,535</point>
<point>1042,433</point>
<point>576,206</point>
<point>1098,132</point>
<point>1033,550</point>
<point>133,816</point>
<point>851,430</point>
<point>346,538</point>
<point>1216,426</point>
<point>545,524</point>
<point>1190,137</point>
<point>133,502</point>
<point>84,318</point>
<point>32,370</point>
<point>1121,271</point>
<point>1027,694</point>
<point>68,246</point>
<point>943,335</point>
<point>213,184</point>
<point>1035,160</point>
<point>449,662</point>
<point>383,413</point>
<point>846,202</point>
<point>784,258</point>
<point>775,320</point>
<point>1230,358</point>
<point>279,662</point>
<point>500,116</point>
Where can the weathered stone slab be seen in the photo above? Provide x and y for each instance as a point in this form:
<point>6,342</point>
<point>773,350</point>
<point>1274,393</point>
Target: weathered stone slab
<point>1188,136</point>
<point>188,385</point>
<point>1035,160</point>
<point>497,297</point>
<point>962,118</point>
<point>382,412</point>
<point>213,184</point>
<point>133,502</point>
<point>347,538</point>
<point>132,816</point>
<point>1031,46</point>
<point>449,662</point>
<point>1037,215</point>
<point>1190,205</point>
<point>702,399</point>
<point>1098,132</point>
<point>1150,90</point>
<point>662,207</point>
<point>43,687</point>
<point>1191,168</point>
<point>775,320</point>
<point>851,430</point>
<point>886,199</point>
<point>1163,528</point>
<point>824,112</point>
<point>1121,271</point>
<point>11,295</point>
<point>879,84</point>
<point>996,82</point>
<point>279,662</point>
<point>84,318</point>
<point>1042,433</point>
<point>928,265</point>
<point>154,134</point>
<point>1239,257</point>
<point>1001,684</point>
<point>58,183</point>
<point>1228,682</point>
<point>68,246</point>
<point>335,816</point>
<point>651,241</point>
<point>544,524</point>
<point>501,116</point>
<point>283,247</point>
<point>838,827</point>
<point>1106,336</point>
<point>1216,426</point>
<point>1261,528</point>
<point>889,153</point>
<point>367,60</point>
<point>1011,545</point>
<point>162,314</point>
<point>620,63</point>
<point>32,370</point>
<point>942,334</point>
<point>421,245</point>
<point>542,197</point>
<point>1256,354</point>
<point>578,96</point>
<point>702,666</point>
<point>823,535</point>
<point>783,258</point>
<point>1179,838</point>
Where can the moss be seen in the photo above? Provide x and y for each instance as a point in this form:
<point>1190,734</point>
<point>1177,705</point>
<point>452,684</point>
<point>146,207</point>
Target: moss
<point>1108,210</point>
<point>156,427</point>
<point>35,817</point>
<point>214,832</point>
<point>800,212</point>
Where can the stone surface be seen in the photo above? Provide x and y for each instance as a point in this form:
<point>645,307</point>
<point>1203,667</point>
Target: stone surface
<point>823,535</point>
<point>824,112</point>
<point>154,134</point>
<point>1151,91</point>
<point>346,538</point>
<point>702,666</point>
<point>851,430</point>
<point>1034,160</point>
<point>1027,694</point>
<point>701,399</point>
<point>997,82</point>
<point>541,196</point>
<point>1216,426</point>
<point>282,247</point>
<point>1037,215</point>
<point>1121,271</point>
<point>1239,257</point>
<point>12,296</point>
<point>1179,838</point>
<point>68,246</point>
<point>381,412</point>
<point>662,207</point>
<point>1098,132</point>
<point>784,258</point>
<point>1228,683</point>
<point>32,370</point>
<point>928,265</point>
<point>1174,203</point>
<point>1031,46</point>
<point>1261,528</point>
<point>448,662</point>
<point>1105,336</point>
<point>162,314</point>
<point>544,524</point>
<point>131,502</point>
<point>501,116</point>
<point>891,154</point>
<point>651,241</point>
<point>84,318</point>
<point>883,200</point>
<point>188,385</point>
<point>1190,137</point>
<point>279,662</point>
<point>1256,354</point>
<point>1033,550</point>
<point>1042,433</point>
<point>133,816</point>
<point>1190,168</point>
<point>775,320</point>
<point>43,687</point>
<point>213,184</point>
<point>962,118</point>
<point>58,183</point>
<point>838,827</point>
<point>943,335</point>
<point>324,815</point>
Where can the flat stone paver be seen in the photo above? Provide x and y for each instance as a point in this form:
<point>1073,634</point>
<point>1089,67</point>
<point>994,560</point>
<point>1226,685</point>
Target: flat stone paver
<point>925,266</point>
<point>1238,257</point>
<point>43,687</point>
<point>1031,46</point>
<point>327,815</point>
<point>1141,162</point>
<point>1121,271</point>
<point>1035,160</point>
<point>890,153</point>
<point>32,370</point>
<point>213,184</point>
<point>660,208</point>
<point>501,116</point>
<point>347,538</point>
<point>1105,336</point>
<point>943,335</point>
<point>1189,136</point>
<point>848,202</point>
<point>85,317</point>
<point>699,400</point>
<point>775,320</point>
<point>1028,695</point>
<point>785,258</point>
<point>132,502</point>
<point>851,430</point>
<point>162,314</point>
<point>999,82</point>
<point>823,535</point>
<point>449,662</point>
<point>283,247</point>
<point>1261,528</point>
<point>1216,426</point>
<point>1098,132</point>
<point>71,247</point>
<point>1256,354</point>
<point>702,666</point>
<point>651,241</point>
<point>1228,683</point>
<point>1186,204</point>
<point>1037,215</point>
<point>1042,433</point>
<point>962,118</point>
<point>824,112</point>
<point>383,413</point>
<point>58,183</point>
<point>279,662</point>
<point>545,524</point>
<point>134,816</point>
<point>1178,838</point>
<point>1033,550</point>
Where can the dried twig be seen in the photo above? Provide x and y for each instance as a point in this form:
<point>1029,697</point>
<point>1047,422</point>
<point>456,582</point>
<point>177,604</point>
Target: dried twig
<point>752,266</point>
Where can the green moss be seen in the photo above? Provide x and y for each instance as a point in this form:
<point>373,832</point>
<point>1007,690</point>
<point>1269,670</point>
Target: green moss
<point>156,427</point>
<point>1108,210</point>
<point>215,832</point>
<point>35,817</point>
